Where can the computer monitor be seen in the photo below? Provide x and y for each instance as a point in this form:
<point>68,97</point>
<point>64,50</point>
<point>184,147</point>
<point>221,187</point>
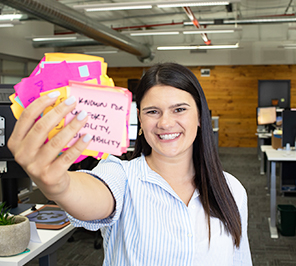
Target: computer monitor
<point>289,127</point>
<point>266,115</point>
<point>10,171</point>
<point>133,124</point>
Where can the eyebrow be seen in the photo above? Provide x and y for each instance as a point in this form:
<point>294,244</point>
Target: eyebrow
<point>171,107</point>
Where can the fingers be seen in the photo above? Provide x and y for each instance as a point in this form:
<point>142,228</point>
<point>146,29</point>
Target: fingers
<point>28,137</point>
<point>49,152</point>
<point>38,134</point>
<point>68,157</point>
<point>28,118</point>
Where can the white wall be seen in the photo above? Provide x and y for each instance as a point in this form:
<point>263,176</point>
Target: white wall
<point>13,40</point>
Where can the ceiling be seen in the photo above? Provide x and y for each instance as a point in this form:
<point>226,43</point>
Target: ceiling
<point>250,19</point>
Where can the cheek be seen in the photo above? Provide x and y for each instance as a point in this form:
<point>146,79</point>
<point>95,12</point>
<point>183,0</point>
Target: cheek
<point>147,123</point>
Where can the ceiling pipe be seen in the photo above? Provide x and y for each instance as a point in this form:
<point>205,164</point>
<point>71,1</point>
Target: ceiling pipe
<point>191,16</point>
<point>64,16</point>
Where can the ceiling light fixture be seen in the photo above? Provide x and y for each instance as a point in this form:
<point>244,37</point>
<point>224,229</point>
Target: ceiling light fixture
<point>259,20</point>
<point>177,31</point>
<point>113,8</point>
<point>52,38</point>
<point>207,31</point>
<point>288,46</point>
<point>184,3</point>
<point>10,23</point>
<point>150,4</point>
<point>154,33</point>
<point>6,25</point>
<point>206,47</point>
<point>10,17</point>
<point>244,21</point>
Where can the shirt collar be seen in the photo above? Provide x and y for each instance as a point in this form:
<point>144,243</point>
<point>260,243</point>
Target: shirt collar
<point>148,175</point>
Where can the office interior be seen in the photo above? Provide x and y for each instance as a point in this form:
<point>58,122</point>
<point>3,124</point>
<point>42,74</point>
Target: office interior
<point>244,56</point>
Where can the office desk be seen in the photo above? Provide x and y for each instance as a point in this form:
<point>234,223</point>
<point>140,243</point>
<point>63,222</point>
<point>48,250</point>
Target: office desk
<point>45,251</point>
<point>262,136</point>
<point>264,148</point>
<point>274,156</point>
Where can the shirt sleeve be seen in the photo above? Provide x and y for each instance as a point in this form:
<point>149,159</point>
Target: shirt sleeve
<point>112,173</point>
<point>242,255</point>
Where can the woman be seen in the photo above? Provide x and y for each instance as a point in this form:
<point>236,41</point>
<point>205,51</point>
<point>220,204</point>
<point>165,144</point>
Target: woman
<point>170,205</point>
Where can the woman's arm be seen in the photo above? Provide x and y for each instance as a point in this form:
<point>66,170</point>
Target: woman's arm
<point>80,194</point>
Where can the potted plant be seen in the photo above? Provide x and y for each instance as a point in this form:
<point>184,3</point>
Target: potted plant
<point>14,232</point>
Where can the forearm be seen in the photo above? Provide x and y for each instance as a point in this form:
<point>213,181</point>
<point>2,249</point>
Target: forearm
<point>84,197</point>
<point>80,194</point>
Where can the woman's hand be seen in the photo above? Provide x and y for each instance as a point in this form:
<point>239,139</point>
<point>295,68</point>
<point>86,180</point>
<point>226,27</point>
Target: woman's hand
<point>40,160</point>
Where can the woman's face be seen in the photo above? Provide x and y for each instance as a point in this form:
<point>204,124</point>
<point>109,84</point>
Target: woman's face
<point>169,119</point>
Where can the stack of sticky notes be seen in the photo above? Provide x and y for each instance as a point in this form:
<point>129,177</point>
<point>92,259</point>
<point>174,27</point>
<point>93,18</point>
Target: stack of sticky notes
<point>84,77</point>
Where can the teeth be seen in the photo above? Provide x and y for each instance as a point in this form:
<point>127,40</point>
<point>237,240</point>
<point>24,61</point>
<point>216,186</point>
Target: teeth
<point>169,136</point>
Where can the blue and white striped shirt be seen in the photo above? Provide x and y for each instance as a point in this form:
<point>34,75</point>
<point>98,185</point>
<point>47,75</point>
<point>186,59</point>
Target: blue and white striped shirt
<point>151,225</point>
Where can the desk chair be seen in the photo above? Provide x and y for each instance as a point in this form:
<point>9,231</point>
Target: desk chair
<point>97,241</point>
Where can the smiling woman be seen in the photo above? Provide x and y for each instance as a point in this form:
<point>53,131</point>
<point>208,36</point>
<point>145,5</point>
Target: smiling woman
<point>171,204</point>
<point>178,144</point>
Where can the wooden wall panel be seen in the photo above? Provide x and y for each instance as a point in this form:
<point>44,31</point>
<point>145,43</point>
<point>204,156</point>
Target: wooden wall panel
<point>232,94</point>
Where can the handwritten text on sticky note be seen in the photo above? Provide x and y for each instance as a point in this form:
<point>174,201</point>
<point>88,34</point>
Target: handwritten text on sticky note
<point>106,118</point>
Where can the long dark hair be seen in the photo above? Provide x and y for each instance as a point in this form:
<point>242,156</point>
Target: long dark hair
<point>215,195</point>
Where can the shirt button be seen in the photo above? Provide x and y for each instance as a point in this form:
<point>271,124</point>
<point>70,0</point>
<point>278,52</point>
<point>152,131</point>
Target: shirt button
<point>189,235</point>
<point>193,207</point>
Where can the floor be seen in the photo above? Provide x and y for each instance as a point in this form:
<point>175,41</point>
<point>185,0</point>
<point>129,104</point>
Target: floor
<point>242,163</point>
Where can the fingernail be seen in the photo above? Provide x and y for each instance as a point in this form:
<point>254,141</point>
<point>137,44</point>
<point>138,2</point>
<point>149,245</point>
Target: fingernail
<point>53,94</point>
<point>81,115</point>
<point>70,100</point>
<point>87,138</point>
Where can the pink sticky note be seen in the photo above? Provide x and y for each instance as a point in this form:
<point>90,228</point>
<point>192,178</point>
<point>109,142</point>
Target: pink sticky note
<point>28,89</point>
<point>106,117</point>
<point>55,76</point>
<point>52,76</point>
<point>82,71</point>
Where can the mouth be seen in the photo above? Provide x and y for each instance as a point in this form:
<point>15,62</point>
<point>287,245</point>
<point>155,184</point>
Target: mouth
<point>169,136</point>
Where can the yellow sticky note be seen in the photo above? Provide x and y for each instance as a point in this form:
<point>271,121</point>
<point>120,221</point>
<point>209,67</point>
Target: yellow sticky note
<point>105,156</point>
<point>104,68</point>
<point>16,110</point>
<point>71,57</point>
<point>106,81</point>
<point>90,153</point>
<point>64,94</point>
<point>91,81</point>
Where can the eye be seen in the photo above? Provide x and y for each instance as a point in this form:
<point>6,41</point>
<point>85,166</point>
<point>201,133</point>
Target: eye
<point>180,109</point>
<point>152,112</point>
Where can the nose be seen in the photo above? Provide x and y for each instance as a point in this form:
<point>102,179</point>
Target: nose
<point>165,121</point>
